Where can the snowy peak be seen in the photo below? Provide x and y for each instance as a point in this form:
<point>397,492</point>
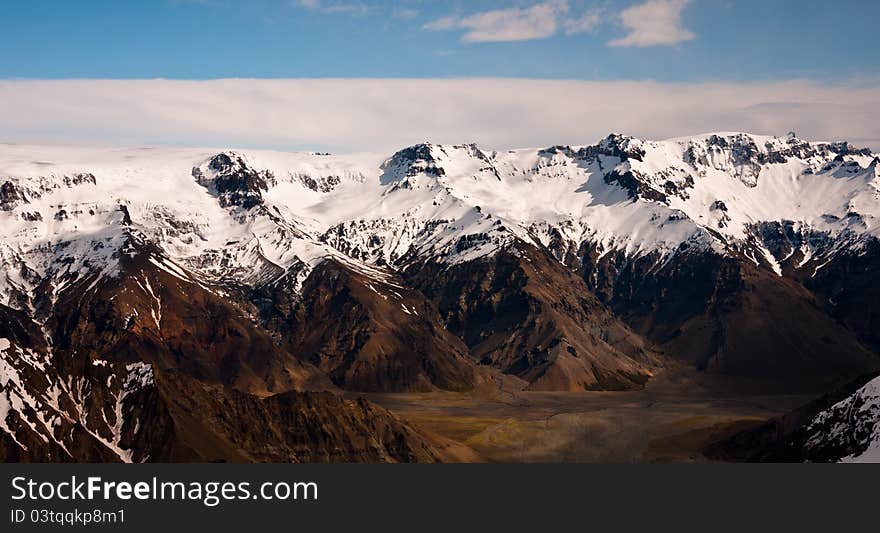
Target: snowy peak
<point>235,183</point>
<point>411,161</point>
<point>429,164</point>
<point>19,191</point>
<point>785,203</point>
<point>744,155</point>
<point>660,170</point>
<point>736,154</point>
<point>620,146</point>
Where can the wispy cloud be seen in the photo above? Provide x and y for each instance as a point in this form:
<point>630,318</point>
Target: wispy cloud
<point>352,8</point>
<point>505,25</point>
<point>386,114</point>
<point>651,23</point>
<point>404,13</point>
<point>654,23</point>
<point>587,22</point>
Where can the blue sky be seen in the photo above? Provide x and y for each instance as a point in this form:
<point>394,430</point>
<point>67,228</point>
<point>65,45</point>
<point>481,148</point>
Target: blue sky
<point>679,40</point>
<point>349,75</point>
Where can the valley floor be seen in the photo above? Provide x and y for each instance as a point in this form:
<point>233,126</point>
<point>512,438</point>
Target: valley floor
<point>672,420</point>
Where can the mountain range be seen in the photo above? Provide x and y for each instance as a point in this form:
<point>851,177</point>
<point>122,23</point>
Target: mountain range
<point>204,305</point>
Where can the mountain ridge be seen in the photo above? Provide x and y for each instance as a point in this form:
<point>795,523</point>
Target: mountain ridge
<point>571,267</point>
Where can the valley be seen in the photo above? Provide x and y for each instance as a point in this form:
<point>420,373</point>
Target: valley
<point>672,420</point>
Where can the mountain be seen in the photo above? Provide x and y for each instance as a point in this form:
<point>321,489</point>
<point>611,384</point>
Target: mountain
<point>281,275</point>
<point>843,426</point>
<point>367,334</point>
<point>523,312</point>
<point>133,413</point>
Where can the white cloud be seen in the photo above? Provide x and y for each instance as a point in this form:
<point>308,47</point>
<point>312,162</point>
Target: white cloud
<point>353,8</point>
<point>651,23</point>
<point>505,25</point>
<point>404,13</point>
<point>654,23</point>
<point>587,22</point>
<point>442,24</point>
<point>387,114</point>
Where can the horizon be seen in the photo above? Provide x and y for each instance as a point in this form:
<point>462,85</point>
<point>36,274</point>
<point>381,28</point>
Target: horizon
<point>73,145</point>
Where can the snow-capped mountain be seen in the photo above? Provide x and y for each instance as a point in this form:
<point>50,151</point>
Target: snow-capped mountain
<point>571,267</point>
<point>780,201</point>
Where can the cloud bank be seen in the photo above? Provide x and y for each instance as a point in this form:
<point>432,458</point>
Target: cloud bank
<point>387,114</point>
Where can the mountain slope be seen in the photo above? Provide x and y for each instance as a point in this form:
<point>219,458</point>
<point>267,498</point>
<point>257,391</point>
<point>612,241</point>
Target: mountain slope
<point>727,315</point>
<point>367,334</point>
<point>567,266</point>
<point>155,312</point>
<point>524,313</point>
<point>169,417</point>
<point>843,426</point>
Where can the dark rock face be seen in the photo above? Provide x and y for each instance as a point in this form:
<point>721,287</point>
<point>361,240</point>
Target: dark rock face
<point>235,183</point>
<point>62,406</point>
<point>10,196</point>
<point>847,288</point>
<point>623,147</point>
<point>79,178</point>
<point>419,159</point>
<point>150,315</point>
<point>524,313</point>
<point>842,282</point>
<point>323,185</point>
<point>786,242</point>
<point>658,302</point>
<point>368,335</point>
<point>215,424</point>
<point>727,316</point>
<point>636,188</point>
<point>173,417</point>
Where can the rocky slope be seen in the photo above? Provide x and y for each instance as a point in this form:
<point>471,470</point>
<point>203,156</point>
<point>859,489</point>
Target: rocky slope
<point>843,426</point>
<point>139,414</point>
<point>367,334</point>
<point>526,314</point>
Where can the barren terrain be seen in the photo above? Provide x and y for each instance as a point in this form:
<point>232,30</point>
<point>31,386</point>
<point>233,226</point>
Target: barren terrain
<point>671,420</point>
